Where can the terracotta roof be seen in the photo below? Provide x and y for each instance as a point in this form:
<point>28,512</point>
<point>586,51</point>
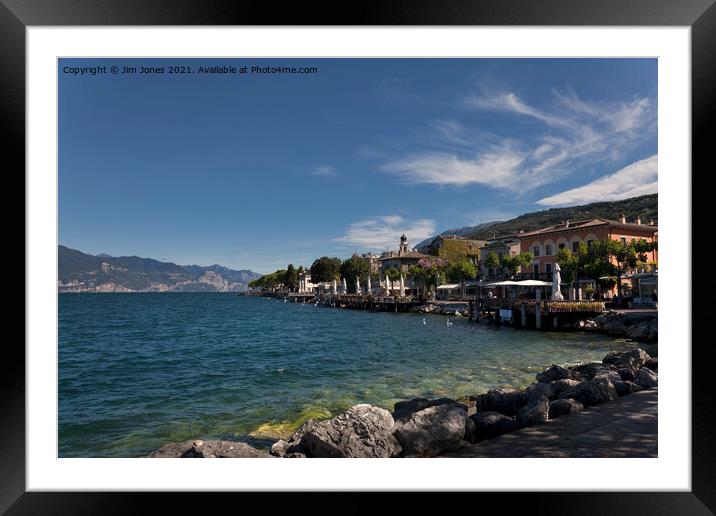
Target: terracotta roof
<point>589,223</point>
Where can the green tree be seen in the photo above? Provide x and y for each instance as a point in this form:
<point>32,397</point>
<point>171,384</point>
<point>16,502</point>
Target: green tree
<point>627,255</point>
<point>491,260</point>
<point>325,269</point>
<point>291,278</point>
<point>392,273</point>
<point>461,271</point>
<point>352,268</point>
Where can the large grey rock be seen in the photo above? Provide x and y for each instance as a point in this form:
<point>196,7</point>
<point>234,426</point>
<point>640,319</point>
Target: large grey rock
<point>653,364</point>
<point>564,406</point>
<point>644,331</point>
<point>626,387</point>
<point>403,409</point>
<point>535,412</point>
<point>491,424</point>
<point>208,449</point>
<point>589,371</point>
<point>279,448</point>
<point>537,390</point>
<point>635,358</point>
<point>560,386</point>
<point>556,372</point>
<point>592,392</point>
<point>646,378</point>
<point>361,431</point>
<point>431,431</point>
<point>506,402</point>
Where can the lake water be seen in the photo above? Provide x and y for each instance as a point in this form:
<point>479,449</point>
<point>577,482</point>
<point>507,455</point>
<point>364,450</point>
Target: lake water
<point>139,370</point>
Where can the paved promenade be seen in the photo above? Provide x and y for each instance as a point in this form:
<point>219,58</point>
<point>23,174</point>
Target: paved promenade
<point>626,427</point>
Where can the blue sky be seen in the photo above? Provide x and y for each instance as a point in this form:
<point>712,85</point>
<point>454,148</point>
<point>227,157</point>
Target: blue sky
<point>260,170</point>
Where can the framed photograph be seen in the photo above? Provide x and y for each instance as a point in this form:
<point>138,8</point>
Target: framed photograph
<point>415,250</point>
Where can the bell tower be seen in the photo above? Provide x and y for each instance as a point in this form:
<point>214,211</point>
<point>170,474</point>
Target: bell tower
<point>403,249</point>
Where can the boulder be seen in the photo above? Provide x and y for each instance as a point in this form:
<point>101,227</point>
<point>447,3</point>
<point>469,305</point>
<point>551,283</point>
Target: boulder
<point>491,424</point>
<point>361,431</point>
<point>635,358</point>
<point>643,331</point>
<point>592,392</point>
<point>536,391</point>
<point>470,403</point>
<point>560,386</point>
<point>403,409</point>
<point>612,376</point>
<point>556,372</point>
<point>564,406</point>
<point>470,430</point>
<point>652,363</point>
<point>279,448</point>
<point>534,413</point>
<point>626,387</point>
<point>646,378</point>
<point>506,402</point>
<point>431,431</point>
<point>589,371</point>
<point>209,449</point>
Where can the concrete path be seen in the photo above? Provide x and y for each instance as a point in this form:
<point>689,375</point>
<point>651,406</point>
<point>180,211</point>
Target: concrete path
<point>626,427</point>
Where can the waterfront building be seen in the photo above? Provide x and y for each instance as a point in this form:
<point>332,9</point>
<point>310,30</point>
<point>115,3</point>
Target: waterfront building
<point>508,245</point>
<point>373,261</point>
<point>403,259</point>
<point>546,242</point>
<point>454,248</point>
<point>305,285</point>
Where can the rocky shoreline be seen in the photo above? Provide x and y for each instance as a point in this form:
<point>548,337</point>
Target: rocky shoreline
<point>421,427</point>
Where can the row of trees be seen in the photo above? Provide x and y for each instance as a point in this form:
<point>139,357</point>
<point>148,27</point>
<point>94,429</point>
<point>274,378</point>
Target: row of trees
<point>600,258</point>
<point>285,278</point>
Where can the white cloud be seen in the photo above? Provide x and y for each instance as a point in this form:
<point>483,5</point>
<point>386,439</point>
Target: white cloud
<point>578,134</point>
<point>323,170</point>
<point>384,231</point>
<point>494,168</point>
<point>639,178</point>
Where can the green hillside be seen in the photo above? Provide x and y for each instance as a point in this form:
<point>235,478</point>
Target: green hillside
<point>645,207</point>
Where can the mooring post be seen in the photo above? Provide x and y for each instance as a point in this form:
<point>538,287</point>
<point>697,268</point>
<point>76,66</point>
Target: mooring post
<point>538,316</point>
<point>555,322</point>
<point>523,309</point>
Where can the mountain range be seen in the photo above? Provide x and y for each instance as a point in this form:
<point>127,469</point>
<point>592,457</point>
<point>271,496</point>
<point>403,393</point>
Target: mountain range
<point>81,272</point>
<point>645,206</point>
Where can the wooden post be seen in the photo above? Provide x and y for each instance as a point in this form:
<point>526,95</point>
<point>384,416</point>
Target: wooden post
<point>555,322</point>
<point>523,309</point>
<point>538,316</point>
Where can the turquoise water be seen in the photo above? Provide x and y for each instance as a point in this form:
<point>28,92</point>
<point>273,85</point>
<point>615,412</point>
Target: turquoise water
<point>139,370</point>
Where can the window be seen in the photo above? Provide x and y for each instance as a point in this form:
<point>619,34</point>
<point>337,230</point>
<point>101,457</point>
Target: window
<point>561,246</point>
<point>499,255</point>
<point>575,247</point>
<point>535,250</point>
<point>548,268</point>
<point>623,240</point>
<point>535,269</point>
<point>589,243</point>
<point>548,250</point>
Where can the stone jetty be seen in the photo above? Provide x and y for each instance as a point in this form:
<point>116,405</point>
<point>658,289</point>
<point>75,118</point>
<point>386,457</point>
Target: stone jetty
<point>423,427</point>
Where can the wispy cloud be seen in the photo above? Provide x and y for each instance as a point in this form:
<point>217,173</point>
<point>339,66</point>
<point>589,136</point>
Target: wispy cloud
<point>572,135</point>
<point>323,171</point>
<point>639,178</point>
<point>383,232</point>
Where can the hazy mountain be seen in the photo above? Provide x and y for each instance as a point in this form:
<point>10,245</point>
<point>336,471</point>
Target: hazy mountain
<point>81,272</point>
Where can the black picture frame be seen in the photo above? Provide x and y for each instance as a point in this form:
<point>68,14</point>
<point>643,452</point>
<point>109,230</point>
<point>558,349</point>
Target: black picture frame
<point>700,15</point>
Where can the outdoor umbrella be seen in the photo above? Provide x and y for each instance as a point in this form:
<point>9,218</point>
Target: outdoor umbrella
<point>368,289</point>
<point>335,287</point>
<point>357,285</point>
<point>556,280</point>
<point>402,286</point>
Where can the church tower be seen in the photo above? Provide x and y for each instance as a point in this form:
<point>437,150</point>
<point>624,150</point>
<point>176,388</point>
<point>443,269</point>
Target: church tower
<point>403,249</point>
